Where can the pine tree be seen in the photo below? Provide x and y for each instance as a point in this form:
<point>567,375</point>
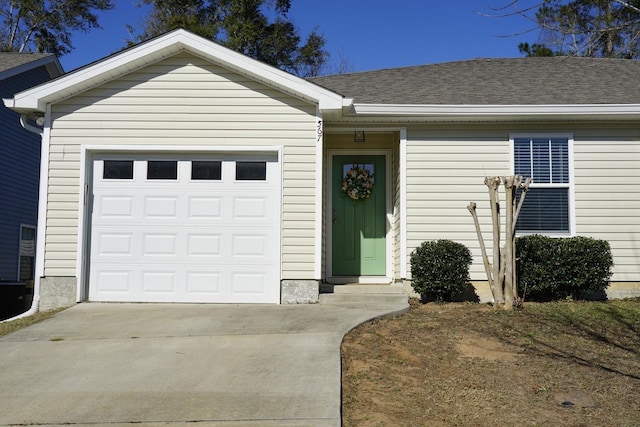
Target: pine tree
<point>46,26</point>
<point>260,29</point>
<point>590,28</point>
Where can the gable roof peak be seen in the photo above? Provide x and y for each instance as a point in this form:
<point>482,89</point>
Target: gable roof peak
<point>158,48</point>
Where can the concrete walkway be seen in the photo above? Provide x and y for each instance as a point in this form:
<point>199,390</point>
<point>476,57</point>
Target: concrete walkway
<point>172,364</point>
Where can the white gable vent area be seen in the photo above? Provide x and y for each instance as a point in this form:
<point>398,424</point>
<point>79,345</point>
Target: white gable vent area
<point>185,228</point>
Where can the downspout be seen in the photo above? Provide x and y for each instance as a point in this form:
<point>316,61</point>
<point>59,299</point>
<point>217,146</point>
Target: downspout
<point>24,121</point>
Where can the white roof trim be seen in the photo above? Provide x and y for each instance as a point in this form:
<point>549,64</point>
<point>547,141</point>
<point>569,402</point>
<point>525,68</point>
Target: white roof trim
<point>482,111</point>
<point>448,110</point>
<point>159,48</point>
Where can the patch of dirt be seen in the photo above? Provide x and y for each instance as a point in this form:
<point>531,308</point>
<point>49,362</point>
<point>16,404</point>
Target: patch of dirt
<point>484,348</point>
<point>576,398</point>
<point>560,364</point>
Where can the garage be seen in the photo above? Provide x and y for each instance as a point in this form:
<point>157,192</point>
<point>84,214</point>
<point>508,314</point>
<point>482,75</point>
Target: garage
<point>200,228</point>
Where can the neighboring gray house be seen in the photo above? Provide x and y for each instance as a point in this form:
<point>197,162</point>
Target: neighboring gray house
<point>20,165</point>
<point>181,171</point>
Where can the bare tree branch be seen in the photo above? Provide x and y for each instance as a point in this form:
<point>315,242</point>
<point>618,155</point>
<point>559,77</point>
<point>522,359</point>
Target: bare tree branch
<point>627,4</point>
<point>578,27</point>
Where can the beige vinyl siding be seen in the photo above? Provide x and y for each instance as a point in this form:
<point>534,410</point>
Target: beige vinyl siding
<point>445,171</point>
<point>607,193</point>
<point>183,100</point>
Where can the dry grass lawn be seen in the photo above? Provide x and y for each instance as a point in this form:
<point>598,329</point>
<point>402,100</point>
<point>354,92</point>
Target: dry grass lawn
<point>14,325</point>
<point>552,364</point>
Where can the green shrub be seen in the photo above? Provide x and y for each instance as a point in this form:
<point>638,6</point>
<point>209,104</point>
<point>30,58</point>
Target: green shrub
<point>440,270</point>
<point>558,268</point>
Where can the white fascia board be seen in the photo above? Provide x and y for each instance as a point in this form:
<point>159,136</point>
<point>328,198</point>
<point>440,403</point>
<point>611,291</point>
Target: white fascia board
<point>159,48</point>
<point>483,111</point>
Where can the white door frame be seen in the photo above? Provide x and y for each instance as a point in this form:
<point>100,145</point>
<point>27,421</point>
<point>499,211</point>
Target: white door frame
<point>388,277</point>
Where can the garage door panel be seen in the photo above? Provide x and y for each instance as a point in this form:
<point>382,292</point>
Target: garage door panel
<point>204,208</point>
<point>160,207</point>
<point>249,207</point>
<point>116,206</point>
<point>112,205</point>
<point>203,283</point>
<point>245,283</point>
<point>204,245</point>
<point>234,284</point>
<point>188,245</point>
<point>159,244</point>
<point>185,241</point>
<point>116,244</point>
<point>114,282</point>
<point>159,282</point>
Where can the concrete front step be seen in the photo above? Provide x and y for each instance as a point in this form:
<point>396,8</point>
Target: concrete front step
<point>363,299</point>
<point>362,294</point>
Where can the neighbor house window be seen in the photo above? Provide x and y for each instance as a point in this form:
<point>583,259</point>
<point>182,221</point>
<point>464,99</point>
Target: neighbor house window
<point>547,205</point>
<point>27,253</point>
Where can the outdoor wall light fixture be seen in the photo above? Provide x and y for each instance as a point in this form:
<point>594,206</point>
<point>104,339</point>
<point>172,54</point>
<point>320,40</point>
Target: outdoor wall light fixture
<point>358,136</point>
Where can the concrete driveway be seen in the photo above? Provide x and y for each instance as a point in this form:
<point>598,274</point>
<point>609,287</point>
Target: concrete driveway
<point>172,364</point>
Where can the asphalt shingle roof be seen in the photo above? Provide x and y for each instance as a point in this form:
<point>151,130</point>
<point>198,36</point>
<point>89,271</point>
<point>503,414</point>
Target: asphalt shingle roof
<point>512,81</point>
<point>9,60</point>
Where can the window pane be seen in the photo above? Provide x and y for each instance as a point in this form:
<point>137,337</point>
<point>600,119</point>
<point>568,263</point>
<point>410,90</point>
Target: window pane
<point>27,253</point>
<point>162,169</point>
<point>560,161</point>
<point>541,161</point>
<point>522,158</point>
<point>544,210</point>
<point>27,268</point>
<point>251,171</point>
<point>206,170</point>
<point>28,241</point>
<point>117,169</point>
<point>27,233</point>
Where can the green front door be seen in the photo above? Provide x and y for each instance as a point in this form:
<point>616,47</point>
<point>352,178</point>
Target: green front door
<point>359,226</point>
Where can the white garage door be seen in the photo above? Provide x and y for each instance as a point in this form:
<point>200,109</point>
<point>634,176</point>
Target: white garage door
<point>185,229</point>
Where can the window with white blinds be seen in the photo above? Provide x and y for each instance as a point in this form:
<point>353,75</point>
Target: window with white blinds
<point>546,207</point>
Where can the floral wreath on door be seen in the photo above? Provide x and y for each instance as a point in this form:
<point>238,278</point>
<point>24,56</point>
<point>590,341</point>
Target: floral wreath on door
<point>357,183</point>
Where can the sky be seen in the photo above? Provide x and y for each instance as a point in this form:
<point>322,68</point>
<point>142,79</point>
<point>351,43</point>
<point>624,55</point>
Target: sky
<point>366,34</point>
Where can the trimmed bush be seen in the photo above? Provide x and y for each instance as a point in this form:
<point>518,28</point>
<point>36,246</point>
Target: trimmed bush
<point>440,270</point>
<point>558,268</point>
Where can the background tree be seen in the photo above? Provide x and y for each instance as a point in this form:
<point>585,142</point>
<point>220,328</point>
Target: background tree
<point>260,29</point>
<point>46,26</point>
<point>591,28</point>
<point>342,65</point>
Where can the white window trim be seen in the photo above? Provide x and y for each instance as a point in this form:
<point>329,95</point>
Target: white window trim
<point>572,200</point>
<point>404,261</point>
